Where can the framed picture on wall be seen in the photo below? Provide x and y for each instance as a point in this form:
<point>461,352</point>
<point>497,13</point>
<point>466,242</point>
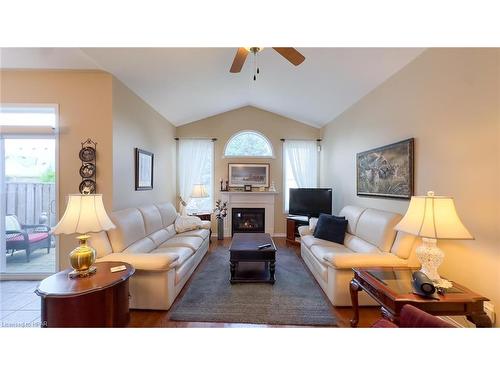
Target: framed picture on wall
<point>386,171</point>
<point>256,175</point>
<point>143,169</point>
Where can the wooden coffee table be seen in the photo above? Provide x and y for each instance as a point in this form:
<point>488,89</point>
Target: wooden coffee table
<point>99,300</point>
<point>244,248</point>
<point>391,287</point>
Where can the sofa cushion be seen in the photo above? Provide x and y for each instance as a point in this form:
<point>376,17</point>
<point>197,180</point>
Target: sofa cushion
<point>377,227</point>
<point>310,240</point>
<point>347,261</point>
<point>160,236</point>
<point>193,243</point>
<point>320,252</point>
<point>183,253</point>
<point>359,245</point>
<point>144,245</point>
<point>330,228</point>
<point>206,224</point>
<point>167,212</point>
<point>100,242</point>
<point>152,218</point>
<point>202,233</point>
<point>144,262</point>
<point>352,215</point>
<point>403,245</point>
<point>129,228</point>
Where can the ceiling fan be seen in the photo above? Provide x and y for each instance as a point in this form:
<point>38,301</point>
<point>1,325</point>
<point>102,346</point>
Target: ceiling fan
<point>289,53</point>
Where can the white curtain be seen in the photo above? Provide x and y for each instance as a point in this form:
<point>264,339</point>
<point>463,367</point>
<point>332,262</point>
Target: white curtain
<point>195,155</point>
<point>300,166</point>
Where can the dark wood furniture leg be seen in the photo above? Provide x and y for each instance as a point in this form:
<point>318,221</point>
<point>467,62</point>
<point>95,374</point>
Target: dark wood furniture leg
<point>480,319</point>
<point>354,289</point>
<point>232,267</point>
<point>272,268</point>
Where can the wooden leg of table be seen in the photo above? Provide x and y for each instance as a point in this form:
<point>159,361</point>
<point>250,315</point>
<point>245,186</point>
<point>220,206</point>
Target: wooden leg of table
<point>232,267</point>
<point>272,267</point>
<point>480,319</point>
<point>354,288</point>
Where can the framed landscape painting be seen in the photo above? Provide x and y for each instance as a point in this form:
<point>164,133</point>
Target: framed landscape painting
<point>143,170</point>
<point>256,175</point>
<point>386,171</point>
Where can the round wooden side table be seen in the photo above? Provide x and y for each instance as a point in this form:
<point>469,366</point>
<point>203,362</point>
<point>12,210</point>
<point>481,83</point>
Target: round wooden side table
<point>100,300</point>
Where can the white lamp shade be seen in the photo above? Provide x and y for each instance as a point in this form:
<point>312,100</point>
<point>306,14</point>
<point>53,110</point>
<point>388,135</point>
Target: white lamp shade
<point>199,191</point>
<point>84,213</point>
<point>433,217</point>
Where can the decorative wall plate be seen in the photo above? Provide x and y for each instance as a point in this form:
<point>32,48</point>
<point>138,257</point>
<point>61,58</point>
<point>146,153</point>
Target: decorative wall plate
<point>87,170</point>
<point>87,154</point>
<point>87,187</point>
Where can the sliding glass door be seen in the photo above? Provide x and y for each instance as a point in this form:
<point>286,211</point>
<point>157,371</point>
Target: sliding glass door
<point>28,201</point>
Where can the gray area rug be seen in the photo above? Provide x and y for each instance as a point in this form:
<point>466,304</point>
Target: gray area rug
<point>294,299</point>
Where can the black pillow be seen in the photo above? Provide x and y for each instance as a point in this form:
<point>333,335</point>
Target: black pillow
<point>335,217</point>
<point>330,229</point>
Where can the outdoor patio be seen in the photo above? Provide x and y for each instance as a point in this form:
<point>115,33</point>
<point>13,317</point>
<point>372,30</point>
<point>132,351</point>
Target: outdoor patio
<point>40,262</point>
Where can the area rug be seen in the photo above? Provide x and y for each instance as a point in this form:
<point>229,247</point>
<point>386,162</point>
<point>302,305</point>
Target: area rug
<point>294,299</point>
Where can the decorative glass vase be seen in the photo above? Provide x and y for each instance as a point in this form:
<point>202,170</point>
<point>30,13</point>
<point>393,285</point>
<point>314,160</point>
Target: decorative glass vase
<point>220,228</point>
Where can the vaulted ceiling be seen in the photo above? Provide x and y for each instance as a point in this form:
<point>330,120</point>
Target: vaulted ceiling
<point>189,84</point>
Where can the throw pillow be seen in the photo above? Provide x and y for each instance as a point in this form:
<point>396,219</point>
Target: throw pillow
<point>330,228</point>
<point>187,223</point>
<point>313,221</point>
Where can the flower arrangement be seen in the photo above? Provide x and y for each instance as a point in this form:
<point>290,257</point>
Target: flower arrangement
<point>220,209</point>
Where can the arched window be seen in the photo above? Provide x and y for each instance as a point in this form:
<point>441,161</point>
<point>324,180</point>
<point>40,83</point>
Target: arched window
<point>248,144</point>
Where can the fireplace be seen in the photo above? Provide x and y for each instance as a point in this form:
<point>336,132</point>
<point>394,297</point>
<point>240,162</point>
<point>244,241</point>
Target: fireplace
<point>249,220</point>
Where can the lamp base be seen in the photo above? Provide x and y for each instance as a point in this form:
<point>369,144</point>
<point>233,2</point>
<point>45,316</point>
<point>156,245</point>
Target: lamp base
<point>76,274</point>
<point>82,258</point>
<point>430,257</point>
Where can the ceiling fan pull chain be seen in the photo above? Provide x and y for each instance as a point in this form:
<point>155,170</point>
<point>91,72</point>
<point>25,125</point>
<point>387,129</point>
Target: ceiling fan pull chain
<point>255,69</point>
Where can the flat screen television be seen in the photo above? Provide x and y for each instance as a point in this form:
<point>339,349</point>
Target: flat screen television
<point>310,201</point>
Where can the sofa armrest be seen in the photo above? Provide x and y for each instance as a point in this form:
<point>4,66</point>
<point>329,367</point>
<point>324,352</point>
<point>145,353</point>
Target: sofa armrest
<point>144,262</point>
<point>304,230</point>
<point>353,260</point>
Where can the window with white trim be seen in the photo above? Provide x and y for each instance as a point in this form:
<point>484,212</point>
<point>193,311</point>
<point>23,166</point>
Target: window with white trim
<point>249,144</point>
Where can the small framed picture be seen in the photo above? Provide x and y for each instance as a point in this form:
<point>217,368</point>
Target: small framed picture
<point>247,187</point>
<point>143,170</point>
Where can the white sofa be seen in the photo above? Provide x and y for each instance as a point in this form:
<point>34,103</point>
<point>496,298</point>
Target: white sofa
<point>370,241</point>
<point>145,237</point>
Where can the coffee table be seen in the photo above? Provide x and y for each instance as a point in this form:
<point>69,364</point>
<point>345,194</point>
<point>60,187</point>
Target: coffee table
<point>244,248</point>
<point>391,287</point>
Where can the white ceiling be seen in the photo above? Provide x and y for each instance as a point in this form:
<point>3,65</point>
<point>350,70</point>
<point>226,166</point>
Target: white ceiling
<point>189,84</point>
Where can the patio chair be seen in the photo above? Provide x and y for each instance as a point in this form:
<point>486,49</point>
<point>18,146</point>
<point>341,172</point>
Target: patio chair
<point>26,237</point>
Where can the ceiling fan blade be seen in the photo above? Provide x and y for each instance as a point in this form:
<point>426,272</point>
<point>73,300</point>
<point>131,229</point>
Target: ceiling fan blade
<point>239,60</point>
<point>291,54</point>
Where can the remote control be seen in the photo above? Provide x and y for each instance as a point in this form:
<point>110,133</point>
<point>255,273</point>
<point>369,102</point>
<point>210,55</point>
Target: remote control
<point>118,268</point>
<point>264,246</point>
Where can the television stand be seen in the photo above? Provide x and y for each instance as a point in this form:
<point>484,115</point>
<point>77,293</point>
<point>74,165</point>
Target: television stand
<point>292,225</point>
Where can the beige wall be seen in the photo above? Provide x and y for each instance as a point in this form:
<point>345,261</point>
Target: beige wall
<point>273,126</point>
<point>84,99</point>
<point>449,101</point>
<point>136,124</point>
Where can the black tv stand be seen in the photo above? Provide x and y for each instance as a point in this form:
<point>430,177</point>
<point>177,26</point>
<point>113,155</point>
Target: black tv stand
<point>293,222</point>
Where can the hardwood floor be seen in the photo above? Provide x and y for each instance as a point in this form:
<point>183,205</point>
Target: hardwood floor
<point>158,319</point>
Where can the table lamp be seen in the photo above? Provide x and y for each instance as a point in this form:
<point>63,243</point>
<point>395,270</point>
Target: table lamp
<point>84,213</point>
<point>433,217</point>
<point>199,191</point>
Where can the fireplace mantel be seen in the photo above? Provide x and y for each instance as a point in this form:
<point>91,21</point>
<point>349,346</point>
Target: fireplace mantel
<point>249,199</point>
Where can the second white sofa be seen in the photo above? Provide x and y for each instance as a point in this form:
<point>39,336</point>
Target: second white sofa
<point>370,241</point>
<point>145,237</point>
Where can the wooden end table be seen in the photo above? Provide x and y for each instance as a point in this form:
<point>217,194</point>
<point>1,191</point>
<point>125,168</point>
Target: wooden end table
<point>244,248</point>
<point>99,300</point>
<point>391,287</point>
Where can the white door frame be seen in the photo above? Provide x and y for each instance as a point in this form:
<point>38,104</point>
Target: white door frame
<point>23,135</point>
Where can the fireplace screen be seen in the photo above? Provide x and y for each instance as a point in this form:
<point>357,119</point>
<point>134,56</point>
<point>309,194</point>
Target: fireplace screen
<point>248,220</point>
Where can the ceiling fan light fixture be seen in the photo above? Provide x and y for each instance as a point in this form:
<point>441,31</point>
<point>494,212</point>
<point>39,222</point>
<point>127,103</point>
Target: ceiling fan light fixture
<point>254,49</point>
